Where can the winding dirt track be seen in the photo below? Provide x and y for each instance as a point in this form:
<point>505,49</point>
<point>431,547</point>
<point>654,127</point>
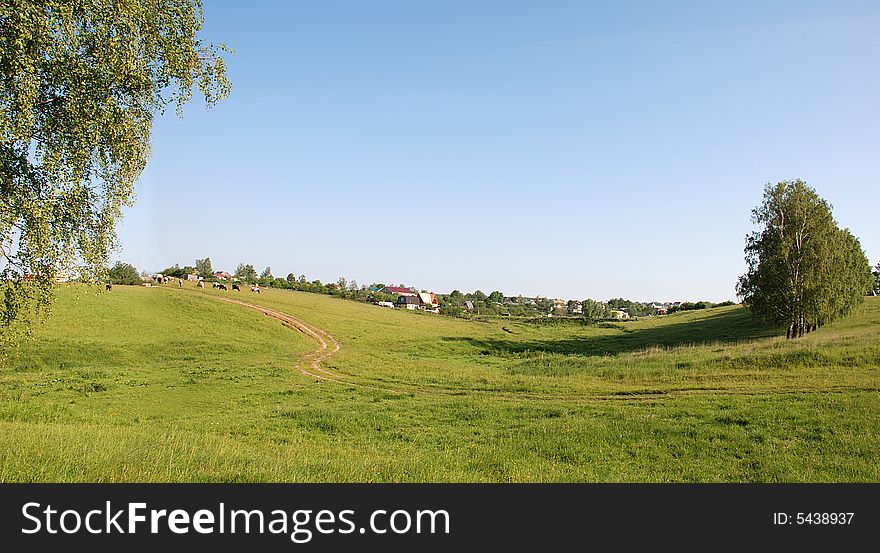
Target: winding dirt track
<point>327,344</point>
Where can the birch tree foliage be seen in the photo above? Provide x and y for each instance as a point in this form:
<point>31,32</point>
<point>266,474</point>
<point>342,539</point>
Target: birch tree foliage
<point>80,83</point>
<point>803,271</point>
<point>877,279</point>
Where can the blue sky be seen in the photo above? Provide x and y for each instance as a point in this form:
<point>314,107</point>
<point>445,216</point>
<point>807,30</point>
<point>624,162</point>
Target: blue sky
<point>567,149</point>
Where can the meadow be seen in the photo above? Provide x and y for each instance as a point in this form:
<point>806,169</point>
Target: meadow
<point>164,384</point>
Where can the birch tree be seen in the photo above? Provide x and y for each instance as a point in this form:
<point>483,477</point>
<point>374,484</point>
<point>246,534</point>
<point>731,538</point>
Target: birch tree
<point>803,271</point>
<point>80,84</point>
<point>877,279</point>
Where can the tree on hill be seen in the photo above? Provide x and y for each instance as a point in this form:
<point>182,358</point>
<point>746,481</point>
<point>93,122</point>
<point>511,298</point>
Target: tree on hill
<point>124,273</point>
<point>266,277</point>
<point>246,273</point>
<point>803,271</point>
<point>80,85</point>
<point>291,279</point>
<point>496,297</point>
<point>178,272</point>
<point>204,268</point>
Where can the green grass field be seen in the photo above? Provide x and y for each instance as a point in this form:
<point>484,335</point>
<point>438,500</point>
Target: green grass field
<point>165,384</point>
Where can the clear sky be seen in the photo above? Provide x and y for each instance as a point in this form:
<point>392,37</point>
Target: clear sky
<point>567,149</point>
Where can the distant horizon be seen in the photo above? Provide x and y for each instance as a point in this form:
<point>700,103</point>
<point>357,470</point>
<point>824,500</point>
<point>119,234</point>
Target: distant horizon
<point>487,291</point>
<point>573,150</point>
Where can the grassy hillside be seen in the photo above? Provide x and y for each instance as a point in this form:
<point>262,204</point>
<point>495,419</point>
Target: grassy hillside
<point>167,384</point>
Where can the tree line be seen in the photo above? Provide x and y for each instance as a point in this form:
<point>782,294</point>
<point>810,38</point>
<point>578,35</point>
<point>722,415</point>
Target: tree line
<point>454,303</point>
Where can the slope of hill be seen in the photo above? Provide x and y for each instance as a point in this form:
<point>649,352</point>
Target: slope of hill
<point>168,384</point>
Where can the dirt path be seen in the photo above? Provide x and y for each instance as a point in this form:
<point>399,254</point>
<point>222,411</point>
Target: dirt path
<point>310,365</point>
<point>327,344</point>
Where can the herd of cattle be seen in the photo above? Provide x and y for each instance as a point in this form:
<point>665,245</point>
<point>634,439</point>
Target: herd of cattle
<point>235,287</point>
<point>200,284</point>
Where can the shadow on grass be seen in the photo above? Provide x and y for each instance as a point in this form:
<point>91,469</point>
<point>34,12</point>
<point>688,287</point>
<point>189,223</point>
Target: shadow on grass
<point>723,327</point>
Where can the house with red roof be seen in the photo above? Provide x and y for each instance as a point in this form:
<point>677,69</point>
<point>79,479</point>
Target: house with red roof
<point>399,291</point>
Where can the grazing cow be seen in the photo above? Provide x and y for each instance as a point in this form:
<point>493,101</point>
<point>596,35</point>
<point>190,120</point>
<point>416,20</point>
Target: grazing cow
<point>222,287</point>
<point>236,288</point>
<point>215,284</point>
<point>201,284</point>
<point>255,289</point>
<point>109,286</point>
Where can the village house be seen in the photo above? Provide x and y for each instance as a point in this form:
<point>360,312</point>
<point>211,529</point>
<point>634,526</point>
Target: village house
<point>408,302</point>
<point>619,314</point>
<point>399,291</point>
<point>221,275</point>
<point>429,300</point>
<point>469,305</point>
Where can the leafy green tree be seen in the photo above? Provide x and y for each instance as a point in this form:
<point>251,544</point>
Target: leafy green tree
<point>803,271</point>
<point>177,271</point>
<point>80,83</point>
<point>124,273</point>
<point>595,310</point>
<point>877,279</point>
<point>291,279</point>
<point>455,299</point>
<point>844,281</point>
<point>266,277</point>
<point>246,273</point>
<point>204,268</point>
<point>496,297</point>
